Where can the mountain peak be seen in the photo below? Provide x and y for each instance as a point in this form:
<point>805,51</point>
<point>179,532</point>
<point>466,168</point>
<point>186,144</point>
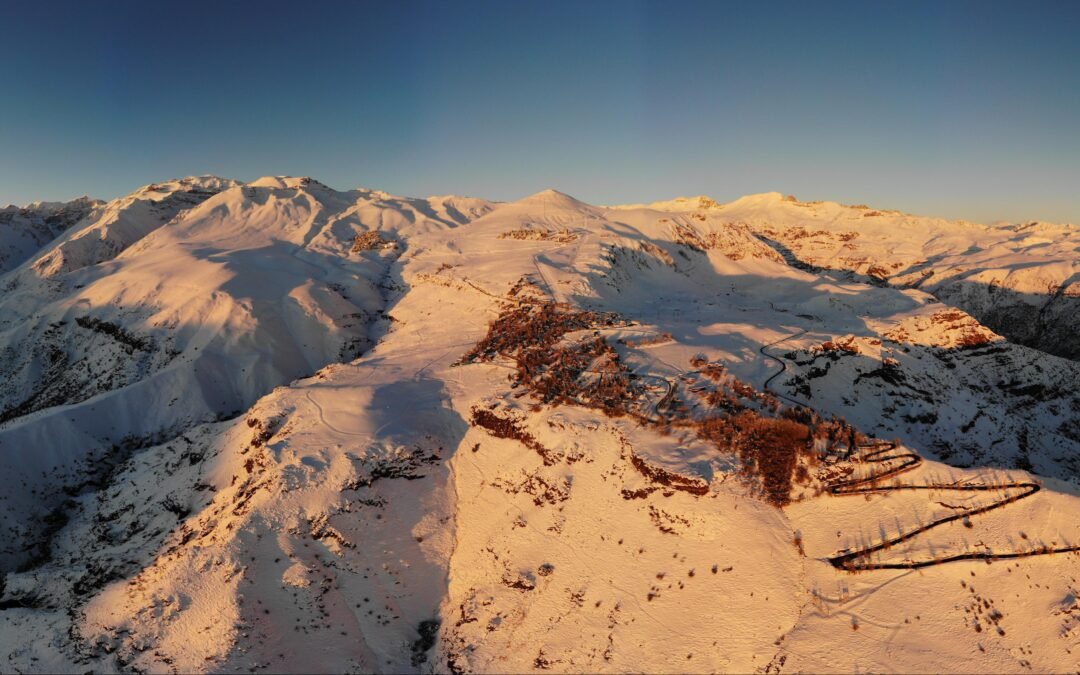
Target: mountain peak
<point>553,199</point>
<point>763,198</point>
<point>188,182</point>
<point>699,202</point>
<point>40,205</point>
<point>286,182</point>
<point>549,194</point>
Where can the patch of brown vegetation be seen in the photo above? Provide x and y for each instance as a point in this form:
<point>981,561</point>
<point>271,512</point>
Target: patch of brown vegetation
<point>775,445</point>
<point>534,327</point>
<point>588,372</point>
<point>844,344</point>
<point>656,339</point>
<point>668,523</point>
<point>563,236</point>
<point>802,233</point>
<point>774,452</point>
<point>771,448</point>
<point>370,241</point>
<point>541,489</point>
<point>677,481</point>
<point>504,427</point>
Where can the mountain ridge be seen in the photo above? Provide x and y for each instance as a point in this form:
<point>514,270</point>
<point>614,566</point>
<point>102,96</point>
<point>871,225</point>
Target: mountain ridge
<point>276,425</point>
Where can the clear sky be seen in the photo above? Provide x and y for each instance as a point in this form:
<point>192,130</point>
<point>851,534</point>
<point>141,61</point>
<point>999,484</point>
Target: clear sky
<point>960,109</point>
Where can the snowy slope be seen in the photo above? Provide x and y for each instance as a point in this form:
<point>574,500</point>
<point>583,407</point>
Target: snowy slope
<point>25,230</point>
<point>419,500</point>
<point>1021,280</point>
<point>184,305</point>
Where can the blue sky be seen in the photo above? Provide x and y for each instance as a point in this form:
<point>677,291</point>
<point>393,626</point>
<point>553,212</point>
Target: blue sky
<point>951,108</point>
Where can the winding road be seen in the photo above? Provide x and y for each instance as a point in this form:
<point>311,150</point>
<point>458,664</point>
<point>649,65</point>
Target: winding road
<point>895,461</point>
<point>783,367</point>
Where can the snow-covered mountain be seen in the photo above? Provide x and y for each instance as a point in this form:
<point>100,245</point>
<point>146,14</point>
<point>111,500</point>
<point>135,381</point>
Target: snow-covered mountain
<point>1021,280</point>
<point>272,425</point>
<point>25,230</point>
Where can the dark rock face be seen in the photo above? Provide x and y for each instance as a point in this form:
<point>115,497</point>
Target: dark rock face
<point>1049,323</point>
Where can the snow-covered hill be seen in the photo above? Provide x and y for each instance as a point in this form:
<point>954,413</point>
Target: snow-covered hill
<point>1021,280</point>
<point>183,303</point>
<point>277,426</point>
